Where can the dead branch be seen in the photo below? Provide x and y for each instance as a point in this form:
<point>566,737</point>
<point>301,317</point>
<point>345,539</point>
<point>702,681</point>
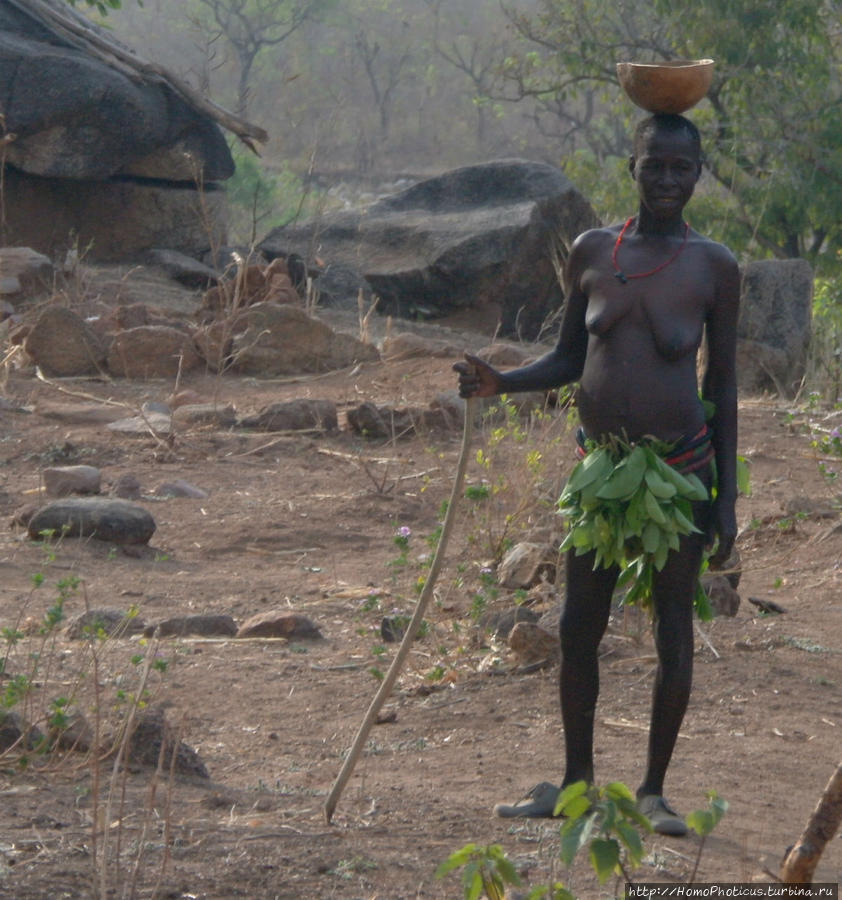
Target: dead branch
<point>801,861</point>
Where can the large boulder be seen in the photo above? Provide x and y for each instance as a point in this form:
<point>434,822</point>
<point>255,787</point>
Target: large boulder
<point>74,116</point>
<point>96,153</point>
<point>477,236</point>
<point>773,334</point>
<point>284,340</point>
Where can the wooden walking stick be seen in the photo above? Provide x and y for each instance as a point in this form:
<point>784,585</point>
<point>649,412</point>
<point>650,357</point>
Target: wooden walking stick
<point>414,624</point>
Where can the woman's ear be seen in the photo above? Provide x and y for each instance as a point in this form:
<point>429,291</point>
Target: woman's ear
<point>632,162</point>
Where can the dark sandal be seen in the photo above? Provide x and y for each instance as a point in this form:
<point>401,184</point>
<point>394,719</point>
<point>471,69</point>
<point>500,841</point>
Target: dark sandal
<point>543,796</point>
<point>664,819</point>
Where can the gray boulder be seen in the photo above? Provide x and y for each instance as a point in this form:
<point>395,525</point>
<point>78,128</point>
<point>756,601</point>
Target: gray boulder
<point>103,156</point>
<point>64,345</point>
<point>74,116</point>
<point>477,236</point>
<point>773,334</point>
<point>116,521</point>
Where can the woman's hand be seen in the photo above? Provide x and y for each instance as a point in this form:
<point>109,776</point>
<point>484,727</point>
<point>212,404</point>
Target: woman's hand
<point>477,378</point>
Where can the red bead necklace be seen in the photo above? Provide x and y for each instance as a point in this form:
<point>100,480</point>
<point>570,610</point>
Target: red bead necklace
<point>621,276</point>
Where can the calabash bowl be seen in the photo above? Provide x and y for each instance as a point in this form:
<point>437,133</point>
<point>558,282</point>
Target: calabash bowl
<point>667,87</point>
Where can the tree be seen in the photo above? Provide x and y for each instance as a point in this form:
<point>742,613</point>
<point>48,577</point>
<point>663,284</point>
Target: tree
<point>771,119</point>
<point>250,27</point>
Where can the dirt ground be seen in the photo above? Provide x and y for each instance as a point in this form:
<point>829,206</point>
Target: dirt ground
<point>307,523</point>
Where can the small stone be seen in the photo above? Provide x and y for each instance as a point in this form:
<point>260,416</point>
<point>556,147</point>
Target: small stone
<point>530,643</point>
<point>113,622</point>
<point>294,415</point>
<point>61,481</point>
<point>279,623</point>
<point>126,486</point>
<point>526,564</point>
<point>393,628</point>
<point>14,729</point>
<point>153,738</point>
<point>722,596</point>
<point>180,488</point>
<point>159,423</point>
<point>501,623</point>
<point>205,414</point>
<point>204,626</point>
<point>76,734</point>
<point>115,521</point>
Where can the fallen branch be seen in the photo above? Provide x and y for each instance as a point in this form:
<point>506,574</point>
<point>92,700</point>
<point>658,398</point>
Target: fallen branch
<point>801,861</point>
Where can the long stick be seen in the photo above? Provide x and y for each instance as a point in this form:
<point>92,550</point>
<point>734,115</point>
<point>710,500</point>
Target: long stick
<point>415,623</point>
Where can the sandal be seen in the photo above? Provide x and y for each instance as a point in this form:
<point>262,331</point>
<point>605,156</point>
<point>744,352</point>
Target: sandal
<point>543,796</point>
<point>664,819</point>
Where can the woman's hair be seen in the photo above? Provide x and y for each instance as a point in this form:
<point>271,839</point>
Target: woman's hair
<point>667,123</point>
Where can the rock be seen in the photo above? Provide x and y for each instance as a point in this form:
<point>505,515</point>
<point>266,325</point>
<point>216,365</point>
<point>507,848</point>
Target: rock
<point>159,423</point>
<point>114,220</point>
<point>251,284</point>
<point>501,623</point>
<point>115,521</point>
<point>75,116</point>
<point>506,356</point>
<point>14,729</point>
<point>204,626</point>
<point>451,407</point>
<point>815,508</point>
<point>530,643</point>
<point>526,564</point>
<point>213,414</point>
<point>407,345</point>
<point>75,734</point>
<point>126,486</point>
<point>63,345</point>
<point>393,628</point>
<point>152,351</point>
<point>732,568</point>
<point>723,598</point>
<point>284,340</point>
<point>154,739</point>
<point>180,488</point>
<point>61,481</point>
<point>294,415</point>
<point>183,268</point>
<point>24,273</point>
<point>279,623</point>
<point>379,422</point>
<point>472,237</point>
<point>113,622</point>
<point>79,413</point>
<point>774,325</point>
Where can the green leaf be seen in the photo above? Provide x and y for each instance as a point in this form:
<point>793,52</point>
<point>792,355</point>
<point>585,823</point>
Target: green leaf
<point>630,837</point>
<point>604,856</point>
<point>472,881</point>
<point>701,821</point>
<point>568,793</point>
<point>505,867</point>
<point>455,860</point>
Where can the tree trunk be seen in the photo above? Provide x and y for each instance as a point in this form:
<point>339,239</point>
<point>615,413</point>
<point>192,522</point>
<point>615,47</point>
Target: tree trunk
<point>801,861</point>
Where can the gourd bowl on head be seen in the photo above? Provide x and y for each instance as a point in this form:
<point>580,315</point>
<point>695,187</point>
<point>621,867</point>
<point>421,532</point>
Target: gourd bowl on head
<point>667,87</point>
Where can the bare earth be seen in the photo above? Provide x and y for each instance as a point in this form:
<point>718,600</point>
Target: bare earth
<point>306,523</point>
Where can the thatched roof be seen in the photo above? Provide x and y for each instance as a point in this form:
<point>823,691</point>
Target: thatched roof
<point>72,28</point>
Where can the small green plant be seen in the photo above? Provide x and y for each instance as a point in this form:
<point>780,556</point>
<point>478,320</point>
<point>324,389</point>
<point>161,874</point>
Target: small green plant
<point>486,871</point>
<point>605,820</point>
<point>608,821</point>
